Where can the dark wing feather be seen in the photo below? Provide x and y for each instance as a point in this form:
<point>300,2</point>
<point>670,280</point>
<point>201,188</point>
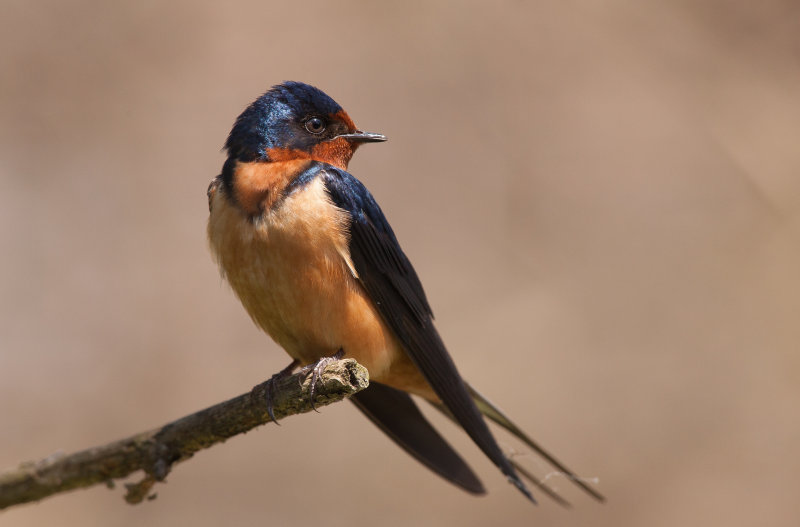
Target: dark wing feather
<point>397,415</point>
<point>390,280</point>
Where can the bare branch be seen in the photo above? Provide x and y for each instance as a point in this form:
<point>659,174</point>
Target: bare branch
<point>157,450</point>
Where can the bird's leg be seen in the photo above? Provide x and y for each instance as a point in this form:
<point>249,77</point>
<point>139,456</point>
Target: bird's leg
<point>270,393</point>
<point>316,370</point>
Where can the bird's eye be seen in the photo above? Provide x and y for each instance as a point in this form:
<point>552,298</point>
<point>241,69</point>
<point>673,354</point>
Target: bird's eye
<point>315,125</point>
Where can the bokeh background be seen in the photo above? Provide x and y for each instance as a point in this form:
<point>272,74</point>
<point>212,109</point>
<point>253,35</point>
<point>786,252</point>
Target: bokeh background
<point>602,199</point>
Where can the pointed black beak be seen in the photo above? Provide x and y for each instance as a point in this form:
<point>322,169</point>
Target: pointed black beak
<point>364,137</point>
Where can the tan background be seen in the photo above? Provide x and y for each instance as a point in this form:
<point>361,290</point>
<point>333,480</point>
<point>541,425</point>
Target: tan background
<point>602,199</point>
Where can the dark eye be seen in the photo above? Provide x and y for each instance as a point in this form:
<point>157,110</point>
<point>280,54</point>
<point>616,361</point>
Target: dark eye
<point>315,125</point>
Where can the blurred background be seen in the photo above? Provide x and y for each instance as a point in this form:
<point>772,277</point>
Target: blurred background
<point>601,198</point>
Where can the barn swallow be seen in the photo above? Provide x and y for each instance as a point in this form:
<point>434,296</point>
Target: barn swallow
<point>312,258</point>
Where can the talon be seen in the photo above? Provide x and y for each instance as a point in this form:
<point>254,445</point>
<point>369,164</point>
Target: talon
<point>316,371</point>
<point>269,395</point>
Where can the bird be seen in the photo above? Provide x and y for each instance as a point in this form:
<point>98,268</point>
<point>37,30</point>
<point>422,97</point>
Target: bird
<point>313,260</point>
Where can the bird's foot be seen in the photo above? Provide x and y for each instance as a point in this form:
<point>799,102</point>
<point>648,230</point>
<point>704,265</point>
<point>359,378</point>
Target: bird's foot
<point>316,370</point>
<point>270,392</point>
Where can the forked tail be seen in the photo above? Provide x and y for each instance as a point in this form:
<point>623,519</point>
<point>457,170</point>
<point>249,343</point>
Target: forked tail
<point>489,410</point>
<point>495,414</point>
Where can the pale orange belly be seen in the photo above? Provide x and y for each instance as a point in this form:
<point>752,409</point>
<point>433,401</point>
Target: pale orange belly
<point>291,270</point>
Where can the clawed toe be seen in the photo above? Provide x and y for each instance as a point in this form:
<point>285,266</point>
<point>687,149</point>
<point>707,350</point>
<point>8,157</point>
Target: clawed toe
<point>269,395</point>
<point>316,371</point>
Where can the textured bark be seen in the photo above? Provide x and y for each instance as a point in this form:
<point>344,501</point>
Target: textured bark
<point>156,451</point>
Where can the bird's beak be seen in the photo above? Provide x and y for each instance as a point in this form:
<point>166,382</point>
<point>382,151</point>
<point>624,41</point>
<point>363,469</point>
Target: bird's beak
<point>364,137</point>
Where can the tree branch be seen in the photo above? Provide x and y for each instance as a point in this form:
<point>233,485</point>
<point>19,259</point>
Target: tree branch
<point>157,450</point>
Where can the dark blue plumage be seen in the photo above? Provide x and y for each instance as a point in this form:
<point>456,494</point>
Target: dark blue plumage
<point>372,242</point>
<point>274,120</point>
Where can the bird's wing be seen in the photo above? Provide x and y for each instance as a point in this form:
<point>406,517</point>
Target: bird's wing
<point>397,415</point>
<point>392,284</point>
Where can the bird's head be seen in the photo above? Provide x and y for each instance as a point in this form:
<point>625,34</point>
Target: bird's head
<point>296,121</point>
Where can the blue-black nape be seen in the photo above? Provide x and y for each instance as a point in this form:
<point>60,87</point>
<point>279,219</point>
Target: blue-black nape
<point>274,120</point>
